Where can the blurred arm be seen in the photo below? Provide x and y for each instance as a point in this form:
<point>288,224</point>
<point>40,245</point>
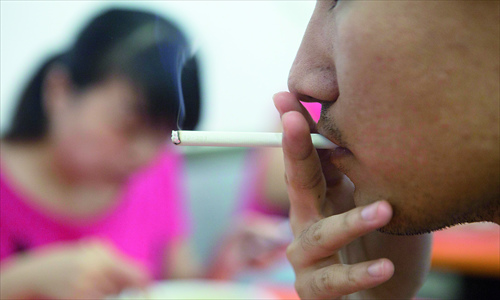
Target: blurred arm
<point>180,261</point>
<point>15,282</point>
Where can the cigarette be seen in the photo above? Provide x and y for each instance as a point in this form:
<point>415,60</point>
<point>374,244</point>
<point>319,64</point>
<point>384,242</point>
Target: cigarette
<point>240,139</point>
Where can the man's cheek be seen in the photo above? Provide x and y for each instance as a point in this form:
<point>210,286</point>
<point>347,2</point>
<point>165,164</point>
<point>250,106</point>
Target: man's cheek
<point>387,161</point>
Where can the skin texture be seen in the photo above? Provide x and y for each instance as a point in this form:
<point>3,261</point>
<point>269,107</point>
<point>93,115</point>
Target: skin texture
<point>411,88</point>
<point>335,243</point>
<point>410,91</point>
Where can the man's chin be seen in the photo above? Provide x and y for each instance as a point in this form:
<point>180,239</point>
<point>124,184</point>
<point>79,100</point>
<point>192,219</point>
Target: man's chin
<point>402,231</point>
<point>404,225</point>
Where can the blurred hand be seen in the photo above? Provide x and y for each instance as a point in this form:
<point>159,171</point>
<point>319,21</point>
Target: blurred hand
<point>336,251</point>
<point>255,242</point>
<point>81,270</point>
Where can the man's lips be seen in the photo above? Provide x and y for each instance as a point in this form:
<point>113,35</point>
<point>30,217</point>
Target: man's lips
<point>324,133</point>
<point>338,152</point>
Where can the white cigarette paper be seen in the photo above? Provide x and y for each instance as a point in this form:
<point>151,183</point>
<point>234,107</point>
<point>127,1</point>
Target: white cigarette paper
<point>240,139</point>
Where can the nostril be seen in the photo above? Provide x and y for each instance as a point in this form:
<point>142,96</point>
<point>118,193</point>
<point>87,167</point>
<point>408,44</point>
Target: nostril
<point>306,98</point>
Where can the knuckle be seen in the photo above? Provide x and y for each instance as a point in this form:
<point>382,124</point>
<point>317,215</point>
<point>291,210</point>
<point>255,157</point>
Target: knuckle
<point>309,181</point>
<point>327,282</point>
<point>351,278</point>
<point>318,286</point>
<point>316,232</point>
<point>350,281</point>
<point>305,240</point>
<point>293,254</point>
<point>315,287</point>
<point>300,289</point>
<point>349,219</point>
<point>313,236</point>
<point>307,289</point>
<point>290,252</point>
<point>332,282</point>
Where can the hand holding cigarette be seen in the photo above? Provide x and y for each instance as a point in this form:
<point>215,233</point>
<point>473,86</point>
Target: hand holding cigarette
<point>240,139</point>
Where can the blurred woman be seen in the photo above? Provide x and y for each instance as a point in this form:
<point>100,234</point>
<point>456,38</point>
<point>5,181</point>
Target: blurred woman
<point>91,195</point>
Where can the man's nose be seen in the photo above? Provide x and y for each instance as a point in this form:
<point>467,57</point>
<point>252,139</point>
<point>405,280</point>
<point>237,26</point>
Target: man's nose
<point>312,77</point>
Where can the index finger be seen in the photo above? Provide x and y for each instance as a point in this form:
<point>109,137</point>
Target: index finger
<point>285,102</point>
<point>304,177</point>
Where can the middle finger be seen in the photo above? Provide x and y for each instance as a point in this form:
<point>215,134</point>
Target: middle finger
<point>328,235</point>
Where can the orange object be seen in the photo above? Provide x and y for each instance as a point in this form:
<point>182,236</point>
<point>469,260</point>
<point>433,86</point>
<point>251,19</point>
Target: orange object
<point>472,249</point>
<point>284,292</point>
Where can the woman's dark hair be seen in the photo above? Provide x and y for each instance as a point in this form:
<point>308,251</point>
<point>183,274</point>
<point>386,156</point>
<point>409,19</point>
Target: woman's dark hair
<point>146,48</point>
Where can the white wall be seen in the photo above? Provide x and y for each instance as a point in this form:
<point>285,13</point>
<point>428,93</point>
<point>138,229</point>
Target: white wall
<point>246,48</point>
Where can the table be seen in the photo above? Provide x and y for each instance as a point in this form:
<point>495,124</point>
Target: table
<point>472,249</point>
<point>209,289</point>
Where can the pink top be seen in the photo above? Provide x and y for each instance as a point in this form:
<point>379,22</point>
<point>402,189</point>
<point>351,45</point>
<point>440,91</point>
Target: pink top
<point>150,213</point>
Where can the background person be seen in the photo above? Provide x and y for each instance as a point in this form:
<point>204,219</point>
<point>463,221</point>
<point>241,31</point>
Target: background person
<point>91,196</point>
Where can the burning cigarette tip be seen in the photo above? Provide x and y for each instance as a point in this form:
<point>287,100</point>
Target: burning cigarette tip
<point>175,137</point>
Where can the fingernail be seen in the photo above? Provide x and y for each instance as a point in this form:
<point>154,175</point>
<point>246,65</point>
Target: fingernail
<point>376,269</point>
<point>370,212</point>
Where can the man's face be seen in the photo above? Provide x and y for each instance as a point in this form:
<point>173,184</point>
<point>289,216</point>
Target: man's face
<point>411,88</point>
